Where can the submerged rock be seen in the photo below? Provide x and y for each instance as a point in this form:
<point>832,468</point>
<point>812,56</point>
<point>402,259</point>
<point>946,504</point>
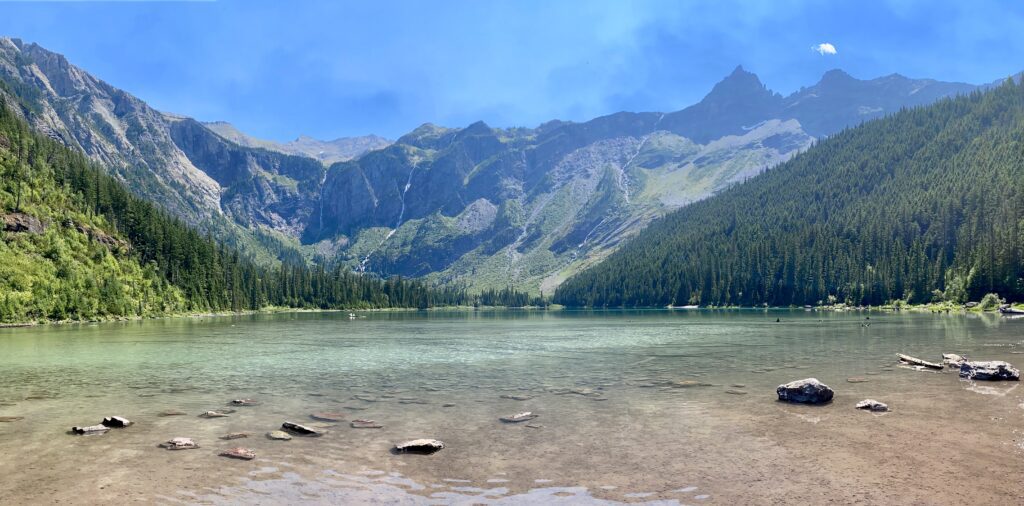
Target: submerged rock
<point>279,435</point>
<point>244,402</point>
<point>180,443</point>
<point>517,397</point>
<point>425,446</point>
<point>8,419</point>
<point>171,412</point>
<point>519,417</point>
<point>90,430</point>
<point>994,370</point>
<point>856,379</point>
<point>328,417</point>
<point>366,424</point>
<point>734,391</point>
<point>239,453</point>
<point>806,391</point>
<point>301,430</point>
<point>235,435</point>
<point>214,414</point>
<point>116,422</point>
<point>872,405</point>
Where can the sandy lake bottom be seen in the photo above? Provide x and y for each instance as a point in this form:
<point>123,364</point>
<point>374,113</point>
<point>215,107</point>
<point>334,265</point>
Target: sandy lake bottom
<point>653,407</point>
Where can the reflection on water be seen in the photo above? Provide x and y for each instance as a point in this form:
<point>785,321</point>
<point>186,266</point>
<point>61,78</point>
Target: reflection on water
<point>635,406</point>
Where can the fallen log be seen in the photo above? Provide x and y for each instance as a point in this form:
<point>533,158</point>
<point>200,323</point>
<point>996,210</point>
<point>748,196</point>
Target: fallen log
<point>907,359</point>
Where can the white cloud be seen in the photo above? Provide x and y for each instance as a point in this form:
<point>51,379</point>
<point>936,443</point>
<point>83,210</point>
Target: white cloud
<point>824,48</point>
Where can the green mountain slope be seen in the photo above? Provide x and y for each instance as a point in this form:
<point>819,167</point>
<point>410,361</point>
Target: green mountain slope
<point>925,204</point>
<point>76,244</point>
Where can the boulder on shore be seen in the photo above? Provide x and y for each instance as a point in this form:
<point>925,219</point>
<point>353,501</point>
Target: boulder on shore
<point>425,446</point>
<point>805,391</point>
<point>872,405</point>
<point>993,370</point>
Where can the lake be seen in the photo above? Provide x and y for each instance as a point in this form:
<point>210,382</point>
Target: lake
<point>661,407</point>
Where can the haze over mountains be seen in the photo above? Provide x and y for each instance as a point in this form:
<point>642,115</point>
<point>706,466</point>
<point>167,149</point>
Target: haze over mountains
<point>478,206</point>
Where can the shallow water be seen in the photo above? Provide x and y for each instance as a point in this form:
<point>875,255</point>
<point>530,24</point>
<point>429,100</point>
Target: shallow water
<point>660,407</point>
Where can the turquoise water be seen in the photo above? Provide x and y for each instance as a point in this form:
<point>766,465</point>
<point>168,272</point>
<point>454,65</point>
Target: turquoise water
<point>662,384</point>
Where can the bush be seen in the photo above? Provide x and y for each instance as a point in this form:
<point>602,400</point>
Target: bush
<point>990,301</point>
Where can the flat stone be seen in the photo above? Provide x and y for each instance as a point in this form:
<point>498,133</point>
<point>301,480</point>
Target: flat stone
<point>519,417</point>
<point>872,405</point>
<point>329,417</point>
<point>279,435</point>
<point>805,391</point>
<point>365,424</point>
<point>301,430</point>
<point>235,435</point>
<point>116,422</point>
<point>738,385</point>
<point>856,380</point>
<point>180,443</point>
<point>424,446</point>
<point>91,430</point>
<point>239,453</point>
<point>993,370</point>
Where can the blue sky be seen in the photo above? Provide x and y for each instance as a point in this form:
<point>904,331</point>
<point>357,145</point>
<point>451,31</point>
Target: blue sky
<point>331,68</point>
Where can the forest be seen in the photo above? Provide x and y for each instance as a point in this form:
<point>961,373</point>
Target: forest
<point>924,205</point>
<point>77,245</point>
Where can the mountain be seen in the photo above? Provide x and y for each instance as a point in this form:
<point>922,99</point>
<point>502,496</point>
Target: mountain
<point>251,198</point>
<point>328,152</point>
<point>488,207</point>
<point>923,205</point>
<point>479,207</point>
<point>75,244</point>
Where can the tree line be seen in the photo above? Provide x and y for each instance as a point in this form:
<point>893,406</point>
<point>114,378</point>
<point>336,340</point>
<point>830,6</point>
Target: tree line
<point>921,206</point>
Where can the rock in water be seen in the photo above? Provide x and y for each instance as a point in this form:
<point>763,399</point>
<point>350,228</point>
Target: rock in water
<point>301,430</point>
<point>328,417</point>
<point>171,412</point>
<point>425,446</point>
<point>995,370</point>
<point>91,430</point>
<point>8,419</point>
<point>244,402</point>
<point>234,435</point>
<point>239,453</point>
<point>806,391</point>
<point>366,424</point>
<point>518,417</point>
<point>279,435</point>
<point>213,414</point>
<point>953,360</point>
<point>872,405</point>
<point>116,422</point>
<point>180,443</point>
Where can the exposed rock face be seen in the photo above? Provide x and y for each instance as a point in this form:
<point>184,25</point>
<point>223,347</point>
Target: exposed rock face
<point>805,391</point>
<point>994,370</point>
<point>21,222</point>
